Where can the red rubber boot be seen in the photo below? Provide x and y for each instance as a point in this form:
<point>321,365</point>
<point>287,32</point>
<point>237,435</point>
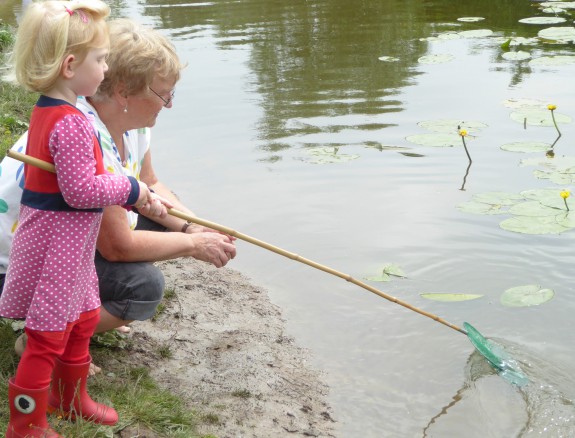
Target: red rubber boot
<point>70,399</point>
<point>28,413</point>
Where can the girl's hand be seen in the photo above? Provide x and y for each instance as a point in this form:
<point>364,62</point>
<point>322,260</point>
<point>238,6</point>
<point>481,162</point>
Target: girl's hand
<point>144,197</point>
<point>156,206</point>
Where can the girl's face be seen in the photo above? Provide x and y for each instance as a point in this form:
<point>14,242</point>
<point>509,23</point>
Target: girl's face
<point>90,72</point>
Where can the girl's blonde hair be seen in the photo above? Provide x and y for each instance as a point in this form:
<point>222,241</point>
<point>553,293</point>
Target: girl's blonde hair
<point>137,55</point>
<point>50,31</point>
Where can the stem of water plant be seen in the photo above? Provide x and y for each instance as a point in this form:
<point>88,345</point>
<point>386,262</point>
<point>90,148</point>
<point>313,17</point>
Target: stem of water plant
<point>555,123</point>
<point>565,201</point>
<point>465,147</point>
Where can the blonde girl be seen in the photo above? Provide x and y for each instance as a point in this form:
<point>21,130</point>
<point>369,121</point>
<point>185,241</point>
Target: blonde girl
<point>60,52</point>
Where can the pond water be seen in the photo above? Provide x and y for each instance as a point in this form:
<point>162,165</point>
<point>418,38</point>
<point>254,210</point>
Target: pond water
<point>287,126</point>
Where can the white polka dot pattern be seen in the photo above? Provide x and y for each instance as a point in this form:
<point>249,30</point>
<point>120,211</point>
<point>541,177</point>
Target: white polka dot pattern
<point>51,277</point>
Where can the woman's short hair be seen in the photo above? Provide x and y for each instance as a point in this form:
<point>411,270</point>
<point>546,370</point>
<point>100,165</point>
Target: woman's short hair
<point>50,31</point>
<point>137,55</point>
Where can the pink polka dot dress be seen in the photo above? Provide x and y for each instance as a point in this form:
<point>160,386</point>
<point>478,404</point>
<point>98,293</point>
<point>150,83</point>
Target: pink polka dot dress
<point>51,278</point>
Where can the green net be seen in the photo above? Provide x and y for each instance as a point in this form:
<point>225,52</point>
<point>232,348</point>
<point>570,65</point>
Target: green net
<point>504,364</point>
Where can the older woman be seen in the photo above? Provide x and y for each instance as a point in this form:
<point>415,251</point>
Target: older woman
<point>143,71</point>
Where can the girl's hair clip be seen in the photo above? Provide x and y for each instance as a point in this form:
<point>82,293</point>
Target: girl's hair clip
<point>81,13</point>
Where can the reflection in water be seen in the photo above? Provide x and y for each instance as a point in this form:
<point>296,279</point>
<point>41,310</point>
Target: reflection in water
<point>280,87</point>
<point>539,408</point>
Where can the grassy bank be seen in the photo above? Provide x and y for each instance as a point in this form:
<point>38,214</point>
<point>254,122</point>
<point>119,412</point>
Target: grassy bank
<point>15,103</point>
<point>144,408</point>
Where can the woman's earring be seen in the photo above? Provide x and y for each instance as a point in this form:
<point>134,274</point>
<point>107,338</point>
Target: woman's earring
<point>126,109</point>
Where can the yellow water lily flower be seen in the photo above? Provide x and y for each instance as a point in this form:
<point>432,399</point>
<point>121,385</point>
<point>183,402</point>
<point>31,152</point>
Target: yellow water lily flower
<point>463,132</point>
<point>551,107</point>
<point>565,194</point>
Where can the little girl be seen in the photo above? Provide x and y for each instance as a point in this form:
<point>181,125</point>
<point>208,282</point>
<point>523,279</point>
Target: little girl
<point>60,52</point>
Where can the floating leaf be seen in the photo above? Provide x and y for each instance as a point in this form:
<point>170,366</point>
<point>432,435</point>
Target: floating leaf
<point>542,20</point>
<point>533,225</point>
<point>525,103</point>
<point>436,139</point>
<point>557,33</point>
<point>328,155</point>
<point>479,33</point>
<point>558,177</point>
<point>498,198</point>
<point>548,197</point>
<point>412,154</point>
<point>470,19</point>
<point>436,59</point>
<point>394,270</point>
<point>533,209</point>
<point>526,146</point>
<point>450,297</point>
<point>480,208</point>
<point>538,117</point>
<point>452,125</point>
<point>388,271</point>
<point>559,4</point>
<point>382,277</point>
<point>516,56</point>
<point>553,60</point>
<point>528,295</point>
<point>388,59</point>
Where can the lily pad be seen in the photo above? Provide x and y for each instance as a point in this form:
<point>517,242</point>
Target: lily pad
<point>556,176</point>
<point>470,19</point>
<point>558,4</point>
<point>478,33</point>
<point>542,20</point>
<point>498,198</point>
<point>436,139</point>
<point>533,225</point>
<point>516,56</point>
<point>451,125</point>
<point>557,33</point>
<point>475,207</point>
<point>328,155</point>
<point>549,61</point>
<point>528,295</point>
<point>450,297</point>
<point>394,270</point>
<point>436,59</point>
<point>388,59</point>
<point>525,103</point>
<point>387,272</point>
<point>539,117</point>
<point>526,146</point>
<point>412,154</point>
<point>548,197</point>
<point>533,209</point>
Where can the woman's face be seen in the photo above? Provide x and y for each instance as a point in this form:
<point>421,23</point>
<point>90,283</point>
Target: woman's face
<point>144,107</point>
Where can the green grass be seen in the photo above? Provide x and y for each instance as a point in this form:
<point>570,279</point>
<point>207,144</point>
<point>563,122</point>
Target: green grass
<point>144,408</point>
<point>15,102</point>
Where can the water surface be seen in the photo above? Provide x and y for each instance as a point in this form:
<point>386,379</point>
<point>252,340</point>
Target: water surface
<point>269,83</point>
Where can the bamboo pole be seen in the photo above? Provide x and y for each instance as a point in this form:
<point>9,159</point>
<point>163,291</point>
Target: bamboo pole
<point>173,212</point>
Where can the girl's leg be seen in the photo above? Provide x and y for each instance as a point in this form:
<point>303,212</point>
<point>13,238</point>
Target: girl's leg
<point>35,368</point>
<point>28,391</point>
<point>69,396</point>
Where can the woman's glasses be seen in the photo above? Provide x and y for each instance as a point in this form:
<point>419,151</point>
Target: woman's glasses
<point>166,101</point>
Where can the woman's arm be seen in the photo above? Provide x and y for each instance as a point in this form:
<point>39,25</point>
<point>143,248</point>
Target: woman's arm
<point>172,223</point>
<point>118,243</point>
